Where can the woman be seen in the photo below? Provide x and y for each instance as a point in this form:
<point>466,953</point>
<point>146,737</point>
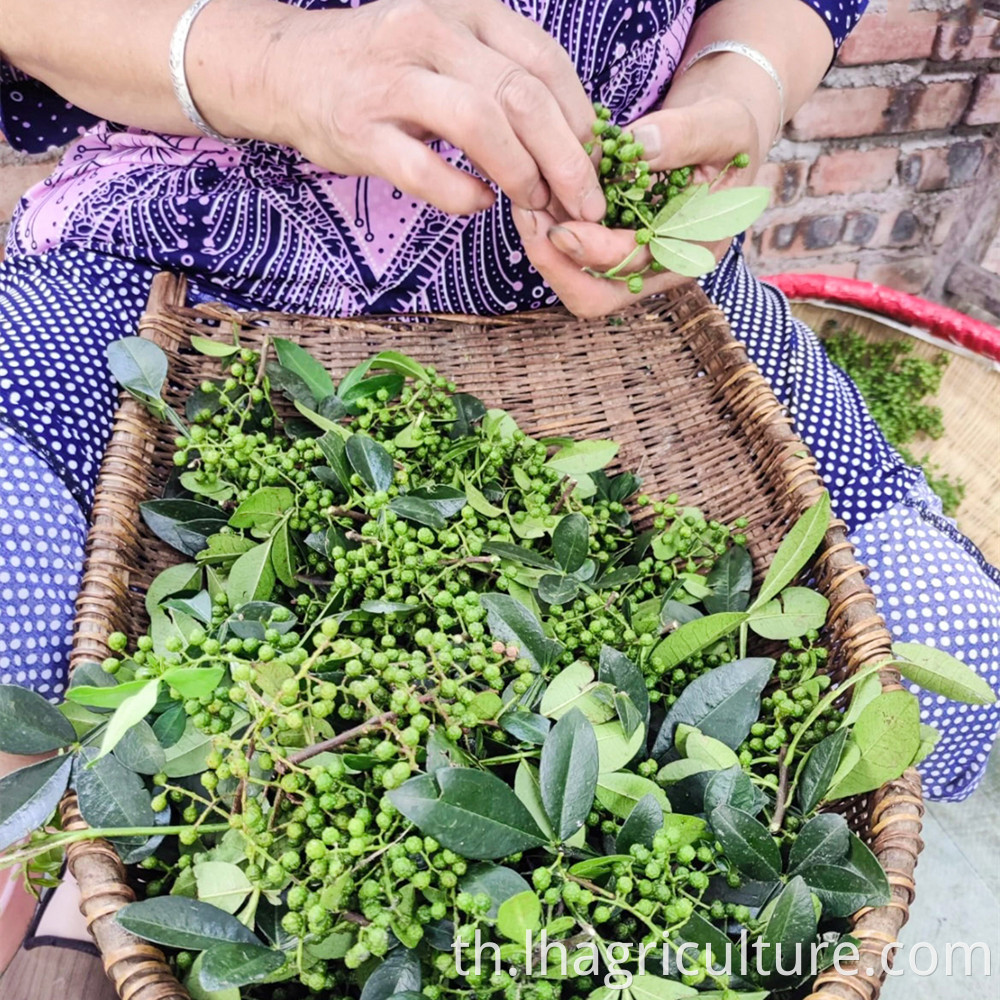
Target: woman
<point>331,201</point>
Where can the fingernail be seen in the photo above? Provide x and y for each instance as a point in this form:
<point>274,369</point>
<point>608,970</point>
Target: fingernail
<point>565,240</point>
<point>594,206</point>
<point>648,136</point>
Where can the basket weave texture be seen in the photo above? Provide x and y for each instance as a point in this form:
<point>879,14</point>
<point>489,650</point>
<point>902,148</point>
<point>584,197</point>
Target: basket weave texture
<point>666,380</point>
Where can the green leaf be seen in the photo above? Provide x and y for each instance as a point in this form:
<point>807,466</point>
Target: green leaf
<point>746,843</point>
<point>189,753</point>
<point>223,549</point>
<point>568,772</point>
<point>823,840</point>
<point>641,825</point>
<point>183,524</point>
<point>887,736</point>
<point>446,500</point>
<point>29,724</point>
<point>511,622</point>
<point>194,682</point>
<point>370,461</point>
<point>198,607</point>
<point>730,580</point>
<point>614,749</point>
<point>929,738</point>
<point>714,753</point>
<point>140,750</point>
<point>104,697</point>
<point>526,726</point>
<point>168,729</point>
<point>251,577</point>
<point>282,555</point>
<point>519,554</point>
<point>334,448</point>
<point>401,364</point>
<point>263,508</point>
<point>692,637</point>
<point>722,703</point>
<point>620,791</point>
<point>557,589</point>
<point>29,796</point>
<point>355,375</point>
<point>574,687</point>
<point>367,388</point>
<point>129,713</point>
<point>595,867</point>
<point>819,770</point>
<point>583,457</point>
<point>841,890</point>
<point>224,966</point>
<point>298,361</point>
<point>616,669</point>
<point>571,542</point>
<point>940,672</point>
<point>649,987</point>
<point>222,884</point>
<point>689,259</point>
<point>139,365</point>
<point>792,922</point>
<point>179,922</point>
<point>791,614</point>
<point>718,215</point>
<point>109,793</point>
<point>379,607</point>
<point>670,208</point>
<point>470,812</point>
<point>733,787</point>
<point>795,550</point>
<point>399,973</point>
<point>469,410</point>
<point>862,861</point>
<point>528,788</point>
<point>193,982</point>
<point>214,348</point>
<point>519,915</point>
<point>418,511</point>
<point>863,693</point>
<point>495,881</point>
<point>479,503</point>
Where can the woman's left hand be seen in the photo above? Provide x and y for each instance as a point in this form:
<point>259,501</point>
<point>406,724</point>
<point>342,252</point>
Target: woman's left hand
<point>706,134</point>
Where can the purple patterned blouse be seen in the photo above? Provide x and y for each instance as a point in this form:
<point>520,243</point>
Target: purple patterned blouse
<point>272,229</point>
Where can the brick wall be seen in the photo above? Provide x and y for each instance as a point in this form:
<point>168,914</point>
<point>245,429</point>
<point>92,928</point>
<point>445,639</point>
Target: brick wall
<point>879,174</point>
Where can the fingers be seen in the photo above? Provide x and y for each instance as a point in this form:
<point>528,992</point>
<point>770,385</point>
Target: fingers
<point>420,172</point>
<point>507,116</point>
<point>597,247</point>
<point>581,293</point>
<point>712,131</point>
<point>526,43</point>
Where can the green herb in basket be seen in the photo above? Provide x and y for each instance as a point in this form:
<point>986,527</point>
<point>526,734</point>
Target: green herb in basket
<point>423,681</point>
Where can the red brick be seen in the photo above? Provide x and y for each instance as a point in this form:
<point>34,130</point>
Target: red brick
<point>890,37</point>
<point>784,178</point>
<point>15,179</point>
<point>849,171</point>
<point>984,108</point>
<point>910,274</point>
<point>840,114</point>
<point>943,166</point>
<point>978,40</point>
<point>939,105</point>
<point>947,219</point>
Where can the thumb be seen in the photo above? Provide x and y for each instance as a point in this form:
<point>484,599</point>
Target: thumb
<point>710,131</point>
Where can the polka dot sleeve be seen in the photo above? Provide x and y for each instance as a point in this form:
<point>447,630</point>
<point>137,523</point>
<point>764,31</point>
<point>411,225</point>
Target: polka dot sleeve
<point>840,15</point>
<point>34,118</point>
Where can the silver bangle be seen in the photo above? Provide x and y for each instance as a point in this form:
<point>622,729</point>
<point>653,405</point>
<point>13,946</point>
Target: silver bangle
<point>758,58</point>
<point>178,75</point>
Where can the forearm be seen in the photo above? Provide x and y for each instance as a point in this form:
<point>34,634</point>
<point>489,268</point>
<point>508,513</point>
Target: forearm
<point>110,57</point>
<point>790,34</point>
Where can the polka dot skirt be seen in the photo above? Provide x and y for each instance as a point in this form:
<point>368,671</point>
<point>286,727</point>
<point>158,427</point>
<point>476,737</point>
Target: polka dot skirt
<point>59,311</point>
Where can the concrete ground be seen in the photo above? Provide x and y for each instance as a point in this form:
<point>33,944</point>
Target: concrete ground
<point>958,899</point>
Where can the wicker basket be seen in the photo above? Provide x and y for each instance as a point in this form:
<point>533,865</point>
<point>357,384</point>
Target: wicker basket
<point>666,379</point>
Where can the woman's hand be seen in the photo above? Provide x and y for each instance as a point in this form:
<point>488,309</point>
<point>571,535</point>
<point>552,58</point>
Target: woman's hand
<point>360,91</point>
<point>707,134</point>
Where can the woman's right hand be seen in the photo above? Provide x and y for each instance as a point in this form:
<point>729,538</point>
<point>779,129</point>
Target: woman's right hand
<point>360,91</point>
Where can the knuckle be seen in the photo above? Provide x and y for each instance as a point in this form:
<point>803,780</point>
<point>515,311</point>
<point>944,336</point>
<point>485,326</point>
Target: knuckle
<point>519,93</point>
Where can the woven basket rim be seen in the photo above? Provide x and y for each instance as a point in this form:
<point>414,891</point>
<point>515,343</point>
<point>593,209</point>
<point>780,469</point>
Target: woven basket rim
<point>139,971</point>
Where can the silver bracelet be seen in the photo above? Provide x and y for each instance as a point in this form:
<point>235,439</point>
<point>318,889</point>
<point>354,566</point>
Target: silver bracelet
<point>758,58</point>
<point>178,75</point>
